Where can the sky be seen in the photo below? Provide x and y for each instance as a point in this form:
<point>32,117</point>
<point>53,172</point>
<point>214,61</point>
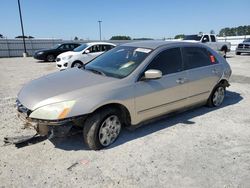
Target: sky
<point>65,19</point>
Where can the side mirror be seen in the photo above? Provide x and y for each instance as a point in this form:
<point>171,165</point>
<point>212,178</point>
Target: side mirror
<point>204,40</point>
<point>86,52</point>
<point>152,74</point>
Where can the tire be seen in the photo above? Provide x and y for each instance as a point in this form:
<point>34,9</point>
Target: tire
<point>217,96</point>
<point>224,49</point>
<point>50,58</point>
<point>77,64</point>
<point>238,53</point>
<point>98,132</point>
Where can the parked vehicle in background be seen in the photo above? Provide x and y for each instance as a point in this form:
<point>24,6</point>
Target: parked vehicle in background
<point>51,54</point>
<point>243,47</point>
<point>126,86</point>
<point>211,41</point>
<point>82,54</point>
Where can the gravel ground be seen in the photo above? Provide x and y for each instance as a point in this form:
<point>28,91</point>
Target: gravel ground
<point>203,147</point>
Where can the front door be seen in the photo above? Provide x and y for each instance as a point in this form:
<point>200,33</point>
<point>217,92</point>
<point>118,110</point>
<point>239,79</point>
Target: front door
<point>94,51</point>
<point>157,97</point>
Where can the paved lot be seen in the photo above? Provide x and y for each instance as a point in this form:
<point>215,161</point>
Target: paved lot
<point>200,148</point>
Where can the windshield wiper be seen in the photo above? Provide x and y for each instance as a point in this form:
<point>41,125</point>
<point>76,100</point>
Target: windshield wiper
<point>96,71</point>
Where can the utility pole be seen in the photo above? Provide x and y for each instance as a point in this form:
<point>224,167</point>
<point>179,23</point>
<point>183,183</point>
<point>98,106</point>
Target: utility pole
<point>100,29</point>
<point>21,20</point>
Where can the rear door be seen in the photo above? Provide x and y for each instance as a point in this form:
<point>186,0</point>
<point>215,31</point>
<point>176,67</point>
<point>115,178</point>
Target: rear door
<point>156,97</point>
<point>203,72</point>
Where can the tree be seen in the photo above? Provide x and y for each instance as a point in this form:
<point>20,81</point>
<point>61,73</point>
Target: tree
<point>235,31</point>
<point>1,36</point>
<point>143,39</point>
<point>179,36</point>
<point>120,37</point>
<point>26,37</point>
<point>76,38</point>
<point>212,32</point>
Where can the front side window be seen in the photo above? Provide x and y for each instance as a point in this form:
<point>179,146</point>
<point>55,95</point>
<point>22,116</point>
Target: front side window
<point>195,57</point>
<point>94,49</point>
<point>118,62</point>
<point>168,61</point>
<point>205,38</point>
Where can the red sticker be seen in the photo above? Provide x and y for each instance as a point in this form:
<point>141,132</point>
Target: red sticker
<point>212,59</point>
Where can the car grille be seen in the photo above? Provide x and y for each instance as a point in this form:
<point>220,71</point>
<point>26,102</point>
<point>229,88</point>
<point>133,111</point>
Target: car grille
<point>58,59</point>
<point>22,109</point>
<point>244,46</point>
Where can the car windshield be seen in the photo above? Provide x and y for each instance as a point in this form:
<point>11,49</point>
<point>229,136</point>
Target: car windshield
<point>118,62</point>
<point>80,48</point>
<point>247,40</point>
<point>55,46</point>
<point>192,37</point>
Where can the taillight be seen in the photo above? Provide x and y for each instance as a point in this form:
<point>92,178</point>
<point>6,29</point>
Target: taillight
<point>212,59</point>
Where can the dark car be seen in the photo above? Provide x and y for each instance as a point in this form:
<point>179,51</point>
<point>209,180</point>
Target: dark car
<point>51,54</point>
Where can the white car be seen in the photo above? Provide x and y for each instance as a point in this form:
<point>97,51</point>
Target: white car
<point>82,54</point>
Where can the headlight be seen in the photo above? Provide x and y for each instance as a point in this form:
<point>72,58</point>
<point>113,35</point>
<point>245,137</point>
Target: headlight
<point>54,111</point>
<point>67,57</point>
<point>40,53</point>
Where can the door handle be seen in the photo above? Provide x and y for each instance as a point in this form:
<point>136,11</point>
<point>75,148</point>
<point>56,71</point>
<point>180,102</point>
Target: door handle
<point>181,80</point>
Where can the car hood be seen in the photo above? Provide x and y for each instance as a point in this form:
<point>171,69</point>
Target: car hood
<point>64,54</point>
<point>62,86</point>
<point>245,43</point>
<point>193,41</point>
<point>45,50</point>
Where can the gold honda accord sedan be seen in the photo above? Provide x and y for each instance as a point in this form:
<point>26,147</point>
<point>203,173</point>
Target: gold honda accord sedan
<point>125,87</point>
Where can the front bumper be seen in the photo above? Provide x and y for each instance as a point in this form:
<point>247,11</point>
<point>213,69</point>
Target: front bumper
<point>242,50</point>
<point>62,64</point>
<point>40,57</point>
<point>50,128</point>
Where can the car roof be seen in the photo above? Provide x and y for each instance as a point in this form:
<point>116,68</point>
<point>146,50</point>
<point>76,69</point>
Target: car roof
<point>99,43</point>
<point>153,44</point>
<point>69,43</point>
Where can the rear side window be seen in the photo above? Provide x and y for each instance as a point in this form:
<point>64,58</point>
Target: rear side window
<point>169,61</point>
<point>213,38</point>
<point>195,57</point>
<point>106,47</point>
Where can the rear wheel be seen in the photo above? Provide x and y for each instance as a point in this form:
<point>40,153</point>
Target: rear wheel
<point>217,96</point>
<point>102,128</point>
<point>224,50</point>
<point>50,58</point>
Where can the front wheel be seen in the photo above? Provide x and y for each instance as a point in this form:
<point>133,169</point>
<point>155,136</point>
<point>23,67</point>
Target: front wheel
<point>238,53</point>
<point>50,58</point>
<point>217,96</point>
<point>77,64</point>
<point>102,128</point>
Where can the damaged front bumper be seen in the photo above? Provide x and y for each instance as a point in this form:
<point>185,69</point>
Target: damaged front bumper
<point>51,129</point>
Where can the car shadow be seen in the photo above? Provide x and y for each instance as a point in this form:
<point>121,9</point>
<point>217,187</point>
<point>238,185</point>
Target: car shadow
<point>76,142</point>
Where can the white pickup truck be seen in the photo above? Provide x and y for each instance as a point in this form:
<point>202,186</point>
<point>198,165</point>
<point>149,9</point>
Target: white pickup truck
<point>211,41</point>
